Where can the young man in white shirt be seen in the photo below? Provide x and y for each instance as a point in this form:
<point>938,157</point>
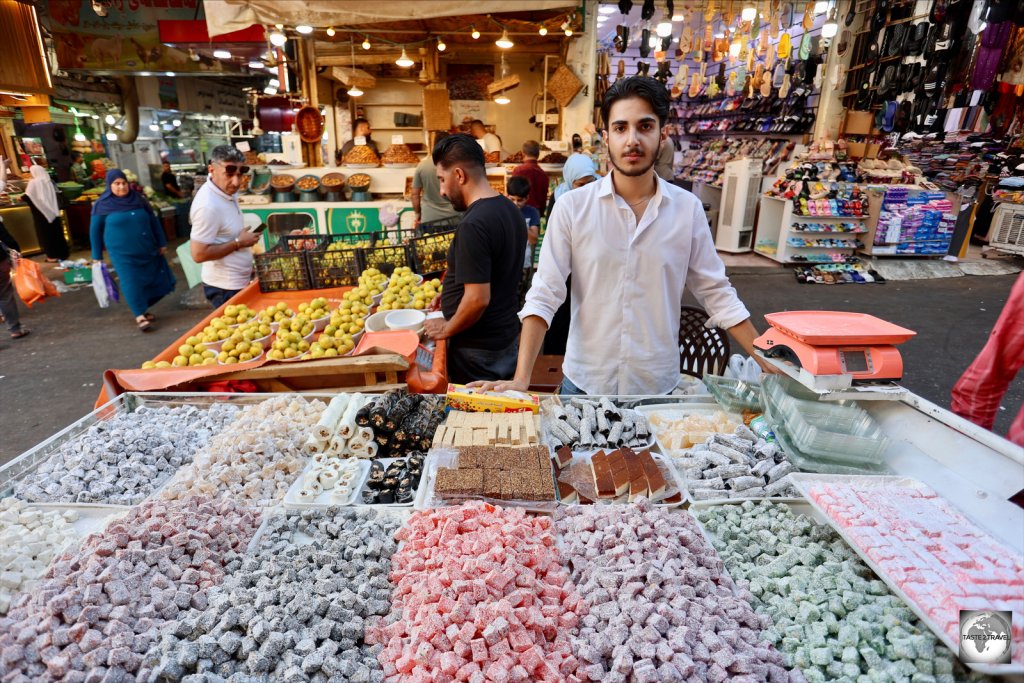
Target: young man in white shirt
<point>219,239</point>
<point>632,242</point>
<point>488,141</point>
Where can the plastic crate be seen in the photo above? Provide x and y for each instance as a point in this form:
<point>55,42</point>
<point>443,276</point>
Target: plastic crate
<point>334,265</point>
<point>386,258</point>
<point>430,253</point>
<point>283,270</point>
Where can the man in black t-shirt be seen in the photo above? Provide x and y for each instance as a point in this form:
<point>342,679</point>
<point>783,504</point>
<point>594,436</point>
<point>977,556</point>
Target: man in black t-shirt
<point>480,300</point>
<point>170,181</point>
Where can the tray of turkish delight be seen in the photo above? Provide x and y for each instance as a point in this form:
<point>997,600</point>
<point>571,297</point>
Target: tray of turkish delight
<point>511,477</point>
<point>927,551</point>
<point>588,424</point>
<point>622,475</point>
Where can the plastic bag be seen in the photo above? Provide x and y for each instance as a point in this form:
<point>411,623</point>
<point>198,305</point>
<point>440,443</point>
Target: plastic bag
<point>28,279</point>
<point>112,292</point>
<point>99,285</point>
<point>743,368</point>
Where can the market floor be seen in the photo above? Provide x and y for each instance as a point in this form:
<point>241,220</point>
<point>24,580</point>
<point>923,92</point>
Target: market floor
<point>52,378</point>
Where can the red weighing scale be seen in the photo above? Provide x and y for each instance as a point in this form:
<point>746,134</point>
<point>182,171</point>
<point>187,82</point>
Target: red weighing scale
<point>831,350</point>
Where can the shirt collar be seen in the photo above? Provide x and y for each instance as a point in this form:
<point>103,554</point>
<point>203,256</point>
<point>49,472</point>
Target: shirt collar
<point>605,188</point>
<point>219,192</point>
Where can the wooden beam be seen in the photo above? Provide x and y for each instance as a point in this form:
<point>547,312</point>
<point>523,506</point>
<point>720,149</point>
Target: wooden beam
<point>349,365</point>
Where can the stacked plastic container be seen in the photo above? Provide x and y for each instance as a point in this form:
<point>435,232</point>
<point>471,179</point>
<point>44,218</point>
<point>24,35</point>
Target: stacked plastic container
<point>830,437</point>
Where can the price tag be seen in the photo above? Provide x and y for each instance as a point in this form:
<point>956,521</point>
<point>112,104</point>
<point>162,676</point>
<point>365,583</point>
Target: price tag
<point>397,139</point>
<point>359,140</point>
<point>242,146</point>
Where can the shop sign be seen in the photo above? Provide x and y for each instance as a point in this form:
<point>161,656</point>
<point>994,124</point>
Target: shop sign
<point>125,40</point>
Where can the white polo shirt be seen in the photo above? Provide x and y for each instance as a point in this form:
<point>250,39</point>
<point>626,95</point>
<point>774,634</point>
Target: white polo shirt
<point>627,285</point>
<point>217,219</point>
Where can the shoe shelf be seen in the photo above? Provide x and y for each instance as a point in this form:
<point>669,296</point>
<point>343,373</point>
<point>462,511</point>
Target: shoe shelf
<point>786,232</point>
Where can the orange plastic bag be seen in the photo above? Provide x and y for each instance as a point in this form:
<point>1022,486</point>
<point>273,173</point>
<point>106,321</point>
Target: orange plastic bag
<point>28,279</point>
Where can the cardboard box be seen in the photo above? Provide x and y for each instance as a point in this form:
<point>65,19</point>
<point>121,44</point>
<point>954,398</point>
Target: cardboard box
<point>78,275</point>
<point>858,122</point>
<point>461,397</point>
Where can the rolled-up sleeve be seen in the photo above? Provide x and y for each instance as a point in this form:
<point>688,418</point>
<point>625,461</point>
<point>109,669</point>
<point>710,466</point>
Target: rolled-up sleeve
<point>706,278</point>
<point>547,292</point>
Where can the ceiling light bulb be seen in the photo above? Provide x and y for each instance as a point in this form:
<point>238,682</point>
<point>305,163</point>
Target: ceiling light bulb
<point>354,91</point>
<point>331,31</point>
<point>678,16</point>
<point>222,54</point>
<point>256,64</point>
<point>568,32</point>
<point>109,118</point>
<point>145,73</point>
<point>94,116</point>
<point>504,42</point>
<point>820,7</point>
<point>154,127</point>
<point>664,29</point>
<point>831,26</point>
<point>278,39</point>
<point>176,122</point>
<point>404,61</point>
<point>502,99</point>
<point>441,47</point>
<point>304,29</point>
<point>605,9</point>
<point>169,74</point>
<point>543,30</point>
<point>366,43</point>
<point>748,13</point>
<point>475,33</point>
<point>79,137</point>
<point>111,136</point>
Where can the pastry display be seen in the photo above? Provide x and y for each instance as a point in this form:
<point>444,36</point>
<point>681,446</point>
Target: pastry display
<point>399,154</point>
<point>361,154</point>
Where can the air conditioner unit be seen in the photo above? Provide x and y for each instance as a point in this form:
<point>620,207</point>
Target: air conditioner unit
<point>1008,229</point>
<point>741,190</point>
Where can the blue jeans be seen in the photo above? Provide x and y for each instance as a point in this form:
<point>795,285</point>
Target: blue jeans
<point>217,296</point>
<point>567,388</point>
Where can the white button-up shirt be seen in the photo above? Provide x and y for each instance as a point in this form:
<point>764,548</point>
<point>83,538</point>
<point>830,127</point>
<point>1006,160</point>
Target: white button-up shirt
<point>627,285</point>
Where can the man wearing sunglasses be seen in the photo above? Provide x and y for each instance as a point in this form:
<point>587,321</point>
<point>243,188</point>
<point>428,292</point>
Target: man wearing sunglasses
<point>219,239</point>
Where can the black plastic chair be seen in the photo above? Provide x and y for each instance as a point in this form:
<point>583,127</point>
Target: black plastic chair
<point>701,349</point>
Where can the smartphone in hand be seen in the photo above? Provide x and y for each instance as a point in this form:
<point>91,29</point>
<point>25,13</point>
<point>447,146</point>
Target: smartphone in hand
<point>259,229</point>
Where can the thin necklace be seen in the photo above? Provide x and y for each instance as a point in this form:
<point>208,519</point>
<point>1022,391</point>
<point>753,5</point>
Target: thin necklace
<point>645,199</point>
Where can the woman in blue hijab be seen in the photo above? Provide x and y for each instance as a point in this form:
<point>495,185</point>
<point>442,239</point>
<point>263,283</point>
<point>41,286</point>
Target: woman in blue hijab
<point>124,224</point>
<point>577,172</point>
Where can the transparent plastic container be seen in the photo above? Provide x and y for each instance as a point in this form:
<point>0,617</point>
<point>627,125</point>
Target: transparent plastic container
<point>734,395</point>
<point>841,433</point>
<point>809,463</point>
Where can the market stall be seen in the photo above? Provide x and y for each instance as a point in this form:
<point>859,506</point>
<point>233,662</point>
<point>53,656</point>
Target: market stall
<point>374,366</point>
<point>414,493</point>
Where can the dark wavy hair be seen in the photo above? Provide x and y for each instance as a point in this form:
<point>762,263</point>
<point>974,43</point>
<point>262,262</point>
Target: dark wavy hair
<point>459,149</point>
<point>644,87</point>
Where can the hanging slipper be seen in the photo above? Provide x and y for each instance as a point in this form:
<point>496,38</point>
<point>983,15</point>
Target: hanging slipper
<point>808,20</point>
<point>904,113</point>
<point>819,71</point>
<point>621,40</point>
<point>730,84</point>
<point>762,44</point>
<point>620,71</point>
<point>773,24</point>
<point>712,87</point>
<point>805,46</point>
<point>916,41</point>
<point>645,42</point>
<point>851,15</point>
<point>625,6</point>
<point>880,15</point>
<point>641,68</point>
<point>647,10</point>
<point>694,86</point>
<point>787,16</point>
<point>785,86</point>
<point>889,119</point>
<point>709,39</point>
<point>785,46</point>
<point>779,74</point>
<point>686,40</point>
<point>766,86</point>
<point>709,11</point>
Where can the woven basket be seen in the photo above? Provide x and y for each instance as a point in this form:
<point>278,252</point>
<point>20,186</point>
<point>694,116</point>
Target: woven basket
<point>564,85</point>
<point>437,113</point>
